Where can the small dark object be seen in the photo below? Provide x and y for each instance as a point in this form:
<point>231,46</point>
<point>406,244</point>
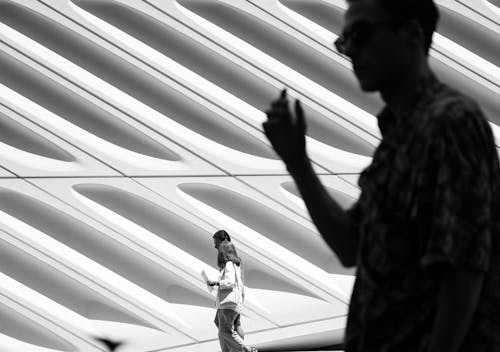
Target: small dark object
<point>111,345</point>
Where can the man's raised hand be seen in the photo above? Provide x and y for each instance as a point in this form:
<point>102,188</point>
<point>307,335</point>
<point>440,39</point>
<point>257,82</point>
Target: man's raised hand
<point>286,131</point>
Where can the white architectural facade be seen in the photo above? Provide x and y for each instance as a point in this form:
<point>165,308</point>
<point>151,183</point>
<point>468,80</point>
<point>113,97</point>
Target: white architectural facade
<point>131,130</point>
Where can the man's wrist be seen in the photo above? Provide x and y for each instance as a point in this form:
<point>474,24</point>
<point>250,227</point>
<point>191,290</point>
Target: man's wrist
<point>299,165</point>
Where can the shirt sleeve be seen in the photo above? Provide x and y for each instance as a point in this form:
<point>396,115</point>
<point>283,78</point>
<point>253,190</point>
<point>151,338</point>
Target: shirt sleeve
<point>228,279</point>
<point>355,211</point>
<point>461,201</point>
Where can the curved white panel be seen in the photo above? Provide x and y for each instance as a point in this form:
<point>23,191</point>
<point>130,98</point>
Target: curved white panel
<point>30,150</point>
<point>131,130</point>
<point>5,173</point>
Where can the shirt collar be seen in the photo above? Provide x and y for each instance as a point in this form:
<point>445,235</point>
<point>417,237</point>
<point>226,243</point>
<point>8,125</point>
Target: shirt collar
<point>426,90</point>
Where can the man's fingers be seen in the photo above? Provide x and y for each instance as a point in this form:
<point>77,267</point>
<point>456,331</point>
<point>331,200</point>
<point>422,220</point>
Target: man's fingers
<point>283,94</point>
<point>280,104</point>
<point>299,112</point>
<point>279,115</point>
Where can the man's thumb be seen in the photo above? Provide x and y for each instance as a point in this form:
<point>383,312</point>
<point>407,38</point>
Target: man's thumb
<point>299,112</point>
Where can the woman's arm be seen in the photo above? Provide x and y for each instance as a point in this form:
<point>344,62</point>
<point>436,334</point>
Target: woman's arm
<point>228,279</point>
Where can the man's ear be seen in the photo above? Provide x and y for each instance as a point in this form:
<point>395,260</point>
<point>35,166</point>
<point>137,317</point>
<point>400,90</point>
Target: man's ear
<point>414,33</point>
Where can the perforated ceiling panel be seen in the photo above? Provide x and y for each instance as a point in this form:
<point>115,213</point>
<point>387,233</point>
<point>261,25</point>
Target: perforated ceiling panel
<point>130,131</point>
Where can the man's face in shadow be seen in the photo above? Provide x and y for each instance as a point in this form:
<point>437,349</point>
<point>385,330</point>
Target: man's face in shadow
<point>375,44</point>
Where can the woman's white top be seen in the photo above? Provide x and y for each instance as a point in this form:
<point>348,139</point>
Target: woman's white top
<point>230,293</point>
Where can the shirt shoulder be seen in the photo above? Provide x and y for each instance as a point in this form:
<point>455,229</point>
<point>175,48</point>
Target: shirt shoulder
<point>451,108</point>
<point>454,115</point>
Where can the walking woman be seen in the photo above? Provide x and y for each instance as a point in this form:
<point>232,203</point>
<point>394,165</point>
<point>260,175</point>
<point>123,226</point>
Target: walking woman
<point>230,295</point>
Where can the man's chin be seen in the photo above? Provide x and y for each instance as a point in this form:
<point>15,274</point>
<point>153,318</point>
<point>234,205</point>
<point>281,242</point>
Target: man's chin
<point>368,87</point>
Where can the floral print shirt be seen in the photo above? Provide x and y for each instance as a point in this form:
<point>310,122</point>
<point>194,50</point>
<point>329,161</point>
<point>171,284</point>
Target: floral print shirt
<point>429,201</point>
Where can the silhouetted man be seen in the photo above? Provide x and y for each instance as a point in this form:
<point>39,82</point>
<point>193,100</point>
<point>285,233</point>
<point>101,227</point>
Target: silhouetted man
<point>424,234</point>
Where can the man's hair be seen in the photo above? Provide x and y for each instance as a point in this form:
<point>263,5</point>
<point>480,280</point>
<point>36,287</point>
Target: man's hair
<point>227,252</point>
<point>425,12</point>
<point>222,235</point>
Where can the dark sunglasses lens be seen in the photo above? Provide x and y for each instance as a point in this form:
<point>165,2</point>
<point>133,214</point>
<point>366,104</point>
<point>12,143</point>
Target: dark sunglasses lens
<point>361,34</point>
<point>358,35</point>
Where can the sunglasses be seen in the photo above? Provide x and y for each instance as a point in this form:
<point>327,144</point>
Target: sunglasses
<point>361,33</point>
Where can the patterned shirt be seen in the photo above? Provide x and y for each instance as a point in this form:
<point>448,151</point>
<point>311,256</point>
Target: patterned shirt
<point>430,200</point>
